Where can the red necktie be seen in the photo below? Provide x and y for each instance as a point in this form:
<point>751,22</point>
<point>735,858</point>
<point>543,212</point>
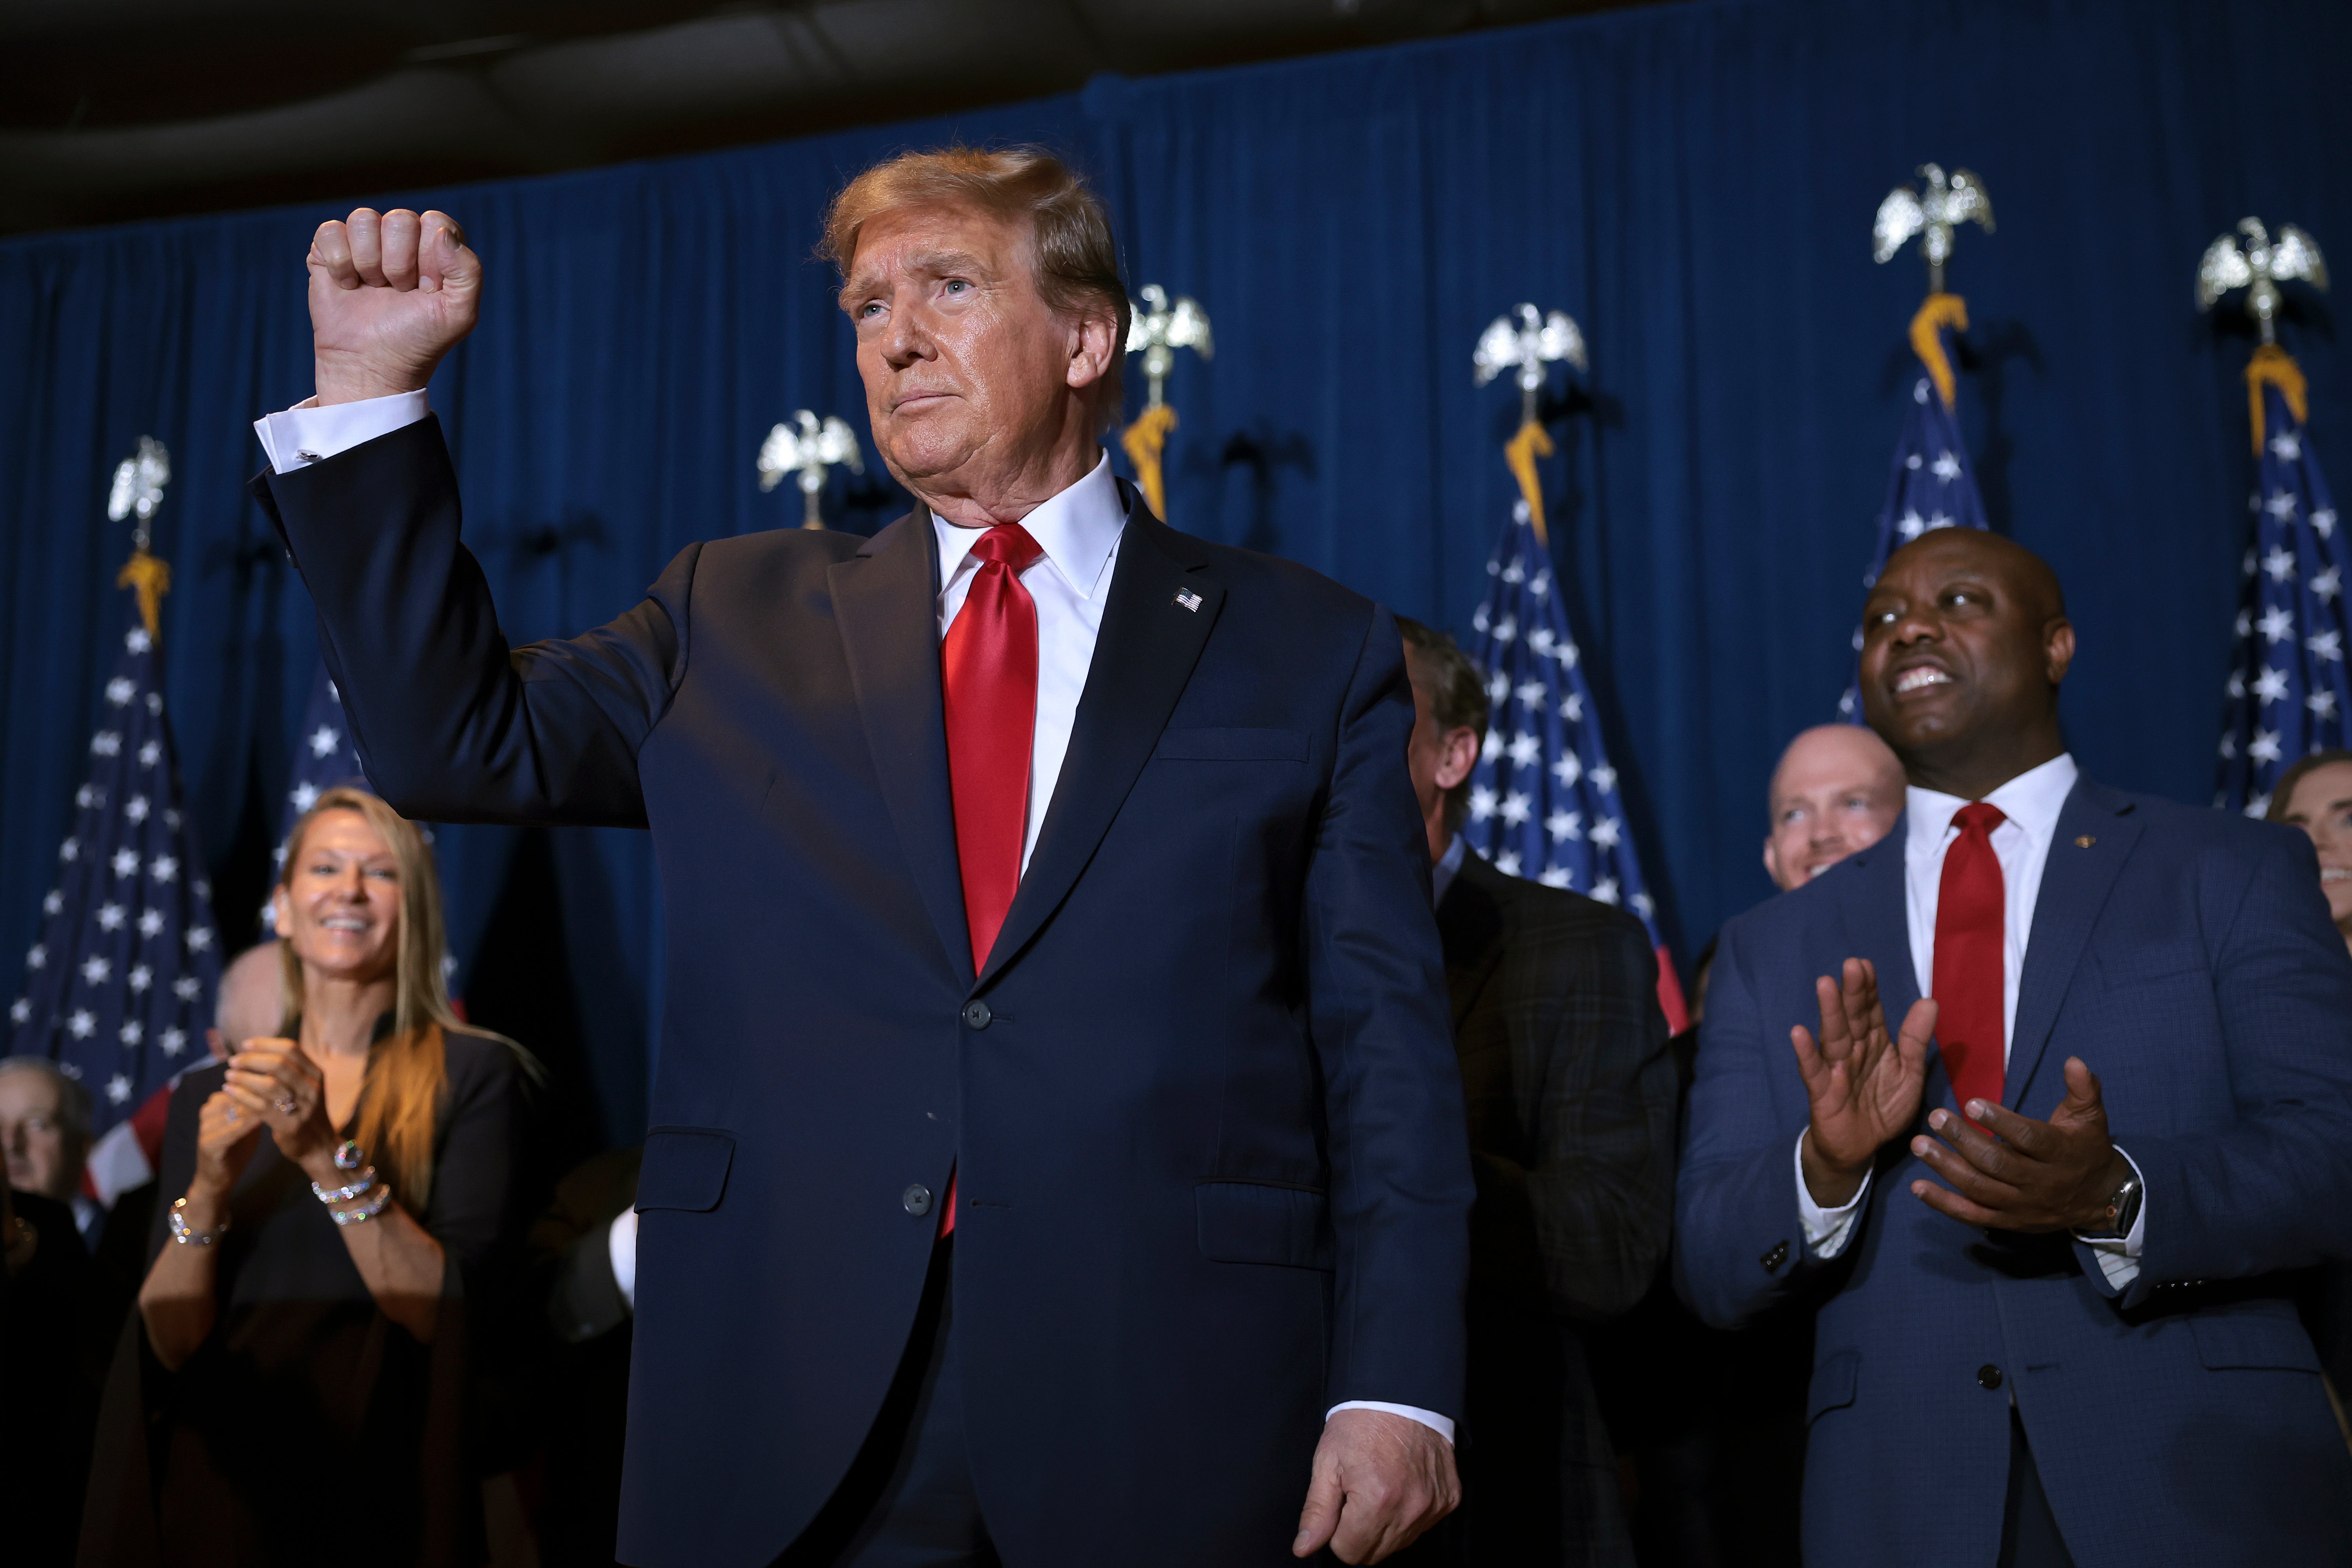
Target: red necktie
<point>988,673</point>
<point>1970,960</point>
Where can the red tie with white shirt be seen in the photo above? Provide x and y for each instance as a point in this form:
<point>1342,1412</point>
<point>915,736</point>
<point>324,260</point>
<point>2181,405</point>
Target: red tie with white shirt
<point>988,677</point>
<point>1970,974</point>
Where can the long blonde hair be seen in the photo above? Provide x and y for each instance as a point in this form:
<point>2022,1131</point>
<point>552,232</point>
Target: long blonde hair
<point>408,1069</point>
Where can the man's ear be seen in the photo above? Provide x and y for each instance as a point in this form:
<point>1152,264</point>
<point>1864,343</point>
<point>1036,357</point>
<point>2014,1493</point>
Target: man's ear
<point>1093,346</point>
<point>2058,648</point>
<point>1457,755</point>
<point>1772,861</point>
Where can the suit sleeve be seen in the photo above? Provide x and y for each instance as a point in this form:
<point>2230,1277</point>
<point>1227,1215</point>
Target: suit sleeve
<point>2274,1190</point>
<point>1738,1239</point>
<point>1601,1194</point>
<point>1399,1142</point>
<point>452,724</point>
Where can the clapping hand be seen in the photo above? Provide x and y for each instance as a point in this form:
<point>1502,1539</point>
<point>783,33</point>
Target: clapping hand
<point>390,294</point>
<point>224,1146</point>
<point>2027,1175</point>
<point>1864,1089</point>
<point>273,1083</point>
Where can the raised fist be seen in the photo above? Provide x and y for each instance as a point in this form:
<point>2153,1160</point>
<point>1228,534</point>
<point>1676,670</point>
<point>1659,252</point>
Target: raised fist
<point>390,294</point>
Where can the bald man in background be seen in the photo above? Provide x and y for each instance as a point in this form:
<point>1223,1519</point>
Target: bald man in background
<point>252,999</point>
<point>1837,791</point>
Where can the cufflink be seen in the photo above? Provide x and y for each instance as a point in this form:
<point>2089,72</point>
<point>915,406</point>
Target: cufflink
<point>307,458</point>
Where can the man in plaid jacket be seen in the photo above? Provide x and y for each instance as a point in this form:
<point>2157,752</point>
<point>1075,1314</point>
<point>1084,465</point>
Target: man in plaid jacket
<point>1572,1100</point>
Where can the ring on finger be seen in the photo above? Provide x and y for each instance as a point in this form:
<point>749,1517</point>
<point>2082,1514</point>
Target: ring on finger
<point>230,1114</point>
<point>285,1103</point>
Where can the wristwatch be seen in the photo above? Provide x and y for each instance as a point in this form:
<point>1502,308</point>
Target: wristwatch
<point>2123,1209</point>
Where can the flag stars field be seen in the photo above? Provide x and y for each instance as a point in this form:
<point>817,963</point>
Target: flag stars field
<point>137,954</point>
<point>2288,690</point>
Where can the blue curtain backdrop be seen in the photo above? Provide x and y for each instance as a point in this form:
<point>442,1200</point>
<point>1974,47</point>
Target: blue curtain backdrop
<point>1693,183</point>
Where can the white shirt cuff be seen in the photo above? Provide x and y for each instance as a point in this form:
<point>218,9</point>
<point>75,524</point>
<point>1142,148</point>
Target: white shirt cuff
<point>620,1247</point>
<point>1826,1230</point>
<point>307,434</point>
<point>2119,1256</point>
<point>1441,1425</point>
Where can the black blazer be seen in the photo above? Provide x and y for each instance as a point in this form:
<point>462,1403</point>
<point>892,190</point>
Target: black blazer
<point>1570,1093</point>
<point>1572,1098</point>
<point>1200,1105</point>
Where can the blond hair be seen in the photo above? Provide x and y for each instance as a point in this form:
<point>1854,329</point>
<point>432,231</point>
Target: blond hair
<point>1070,241</point>
<point>407,1070</point>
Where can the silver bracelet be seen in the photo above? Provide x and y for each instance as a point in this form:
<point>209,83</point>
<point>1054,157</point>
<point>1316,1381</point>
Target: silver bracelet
<point>187,1235</point>
<point>344,1194</point>
<point>366,1209</point>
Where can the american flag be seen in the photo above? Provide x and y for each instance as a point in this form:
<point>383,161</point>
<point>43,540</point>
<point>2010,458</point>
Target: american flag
<point>1929,484</point>
<point>2288,690</point>
<point>1544,803</point>
<point>324,756</point>
<point>118,988</point>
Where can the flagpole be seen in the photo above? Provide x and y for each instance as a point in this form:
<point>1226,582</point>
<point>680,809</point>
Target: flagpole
<point>1157,332</point>
<point>117,989</point>
<point>1544,799</point>
<point>1931,485</point>
<point>1526,341</point>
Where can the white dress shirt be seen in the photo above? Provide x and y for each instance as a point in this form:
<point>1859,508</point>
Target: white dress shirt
<point>307,434</point>
<point>1078,529</point>
<point>620,1247</point>
<point>2031,802</point>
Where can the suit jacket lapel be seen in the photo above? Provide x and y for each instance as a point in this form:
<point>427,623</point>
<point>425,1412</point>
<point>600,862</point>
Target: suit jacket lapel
<point>1143,656</point>
<point>2095,832</point>
<point>1878,928</point>
<point>887,599</point>
<point>1878,924</point>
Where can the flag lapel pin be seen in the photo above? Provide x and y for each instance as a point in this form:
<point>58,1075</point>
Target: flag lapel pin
<point>1187,599</point>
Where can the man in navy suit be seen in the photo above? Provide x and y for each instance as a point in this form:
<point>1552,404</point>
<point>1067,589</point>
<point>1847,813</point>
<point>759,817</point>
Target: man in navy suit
<point>2040,1342</point>
<point>1057,1151</point>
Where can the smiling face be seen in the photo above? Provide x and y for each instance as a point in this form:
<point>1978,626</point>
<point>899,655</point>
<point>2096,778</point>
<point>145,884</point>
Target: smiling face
<point>2322,806</point>
<point>339,905</point>
<point>1838,789</point>
<point>976,388</point>
<point>1965,639</point>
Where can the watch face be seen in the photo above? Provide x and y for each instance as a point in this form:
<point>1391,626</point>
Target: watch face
<point>2123,1207</point>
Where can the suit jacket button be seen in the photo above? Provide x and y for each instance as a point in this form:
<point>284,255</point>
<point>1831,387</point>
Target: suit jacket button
<point>1988,1376</point>
<point>976,1014</point>
<point>916,1201</point>
<point>1774,1259</point>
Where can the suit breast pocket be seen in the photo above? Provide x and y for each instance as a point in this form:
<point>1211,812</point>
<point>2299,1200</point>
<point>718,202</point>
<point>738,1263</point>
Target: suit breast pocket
<point>684,1168</point>
<point>1208,746</point>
